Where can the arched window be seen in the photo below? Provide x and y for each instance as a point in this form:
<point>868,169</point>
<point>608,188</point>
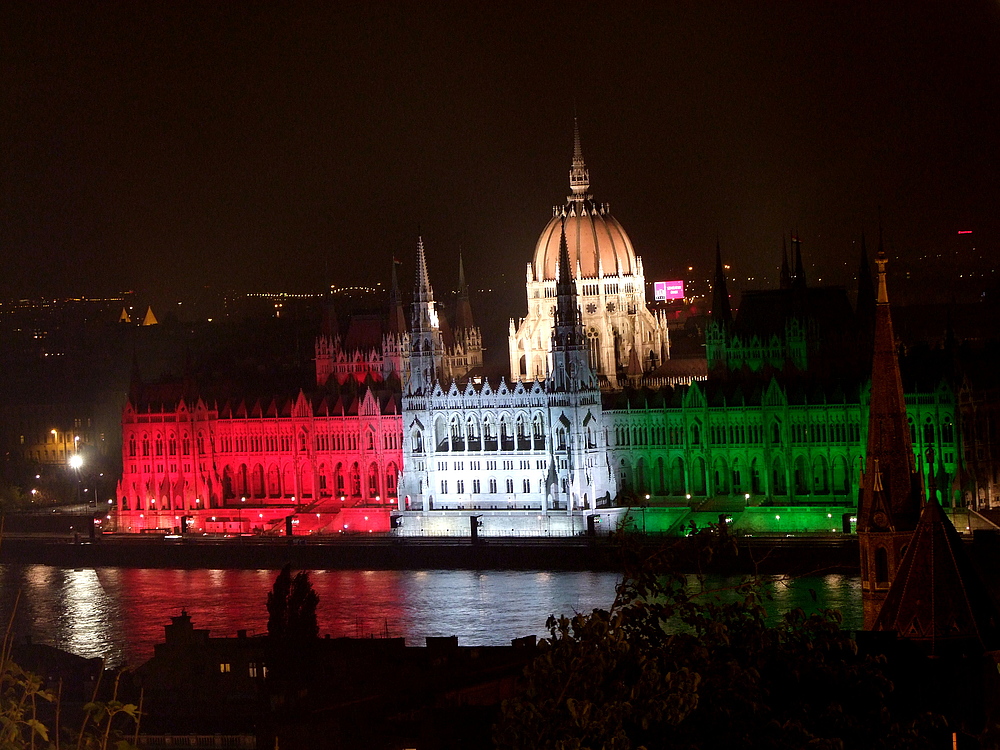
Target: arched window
<point>696,434</point>
<point>928,432</point>
<point>258,481</point>
<point>417,441</point>
<point>355,480</point>
<point>947,431</point>
<point>273,481</point>
<point>457,438</point>
<point>131,446</point>
<point>821,479</point>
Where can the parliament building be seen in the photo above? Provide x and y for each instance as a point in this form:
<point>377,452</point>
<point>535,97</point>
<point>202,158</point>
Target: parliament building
<point>402,431</point>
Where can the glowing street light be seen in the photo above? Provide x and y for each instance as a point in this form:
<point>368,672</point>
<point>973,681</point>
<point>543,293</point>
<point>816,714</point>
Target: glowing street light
<point>76,461</point>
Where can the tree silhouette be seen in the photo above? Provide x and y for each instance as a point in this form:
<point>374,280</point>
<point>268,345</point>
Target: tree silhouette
<point>291,606</point>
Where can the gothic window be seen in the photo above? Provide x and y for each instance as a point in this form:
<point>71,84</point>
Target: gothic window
<point>390,479</point>
<point>417,439</point>
<point>273,481</point>
<point>472,431</point>
<point>928,432</point>
<point>355,480</point>
<point>820,476</point>
<point>145,445</point>
<point>373,480</point>
<point>801,479</point>
<point>510,486</point>
<point>444,486</point>
<point>338,480</point>
<point>776,433</point>
<point>947,431</point>
<point>258,481</point>
<point>186,445</point>
<point>698,478</point>
<point>779,484</point>
<point>493,485</point>
<point>131,446</point>
<point>913,431</point>
<point>696,434</point>
<point>526,486</point>
<point>457,439</point>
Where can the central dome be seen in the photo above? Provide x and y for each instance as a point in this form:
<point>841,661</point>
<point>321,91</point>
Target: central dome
<point>594,238</point>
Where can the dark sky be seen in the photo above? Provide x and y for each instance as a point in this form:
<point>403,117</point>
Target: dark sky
<point>284,146</point>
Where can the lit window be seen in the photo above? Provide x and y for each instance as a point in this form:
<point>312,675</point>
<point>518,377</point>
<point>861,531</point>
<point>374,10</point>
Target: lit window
<point>224,667</point>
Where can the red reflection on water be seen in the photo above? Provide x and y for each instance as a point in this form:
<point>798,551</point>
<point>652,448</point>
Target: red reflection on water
<point>351,603</point>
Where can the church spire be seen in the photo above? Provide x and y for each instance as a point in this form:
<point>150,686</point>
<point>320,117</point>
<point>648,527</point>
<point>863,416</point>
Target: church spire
<point>463,310</point>
<point>890,500</point>
<point>422,291</point>
<point>721,311</point>
<point>397,318</point>
<point>800,272</point>
<point>786,274</point>
<point>579,176</point>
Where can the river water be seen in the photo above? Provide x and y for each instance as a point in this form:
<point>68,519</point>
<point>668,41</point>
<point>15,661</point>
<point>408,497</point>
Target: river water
<point>119,613</point>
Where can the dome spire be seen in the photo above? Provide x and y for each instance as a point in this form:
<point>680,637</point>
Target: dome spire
<point>579,177</point>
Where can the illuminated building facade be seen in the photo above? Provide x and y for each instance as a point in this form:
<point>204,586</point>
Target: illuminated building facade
<point>533,450</point>
<point>623,337</point>
<point>402,421</point>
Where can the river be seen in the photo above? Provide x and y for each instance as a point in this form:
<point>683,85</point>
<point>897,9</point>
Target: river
<point>119,613</point>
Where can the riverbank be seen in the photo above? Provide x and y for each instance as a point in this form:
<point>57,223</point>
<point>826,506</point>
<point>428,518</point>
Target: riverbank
<point>800,555</point>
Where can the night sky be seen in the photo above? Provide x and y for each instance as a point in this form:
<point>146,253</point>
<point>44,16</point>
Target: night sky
<point>284,146</point>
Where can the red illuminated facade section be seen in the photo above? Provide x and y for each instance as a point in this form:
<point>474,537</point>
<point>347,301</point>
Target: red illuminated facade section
<point>330,462</point>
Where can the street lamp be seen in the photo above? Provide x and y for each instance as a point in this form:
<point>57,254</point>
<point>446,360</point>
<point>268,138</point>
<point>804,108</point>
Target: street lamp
<point>75,462</point>
<point>242,501</point>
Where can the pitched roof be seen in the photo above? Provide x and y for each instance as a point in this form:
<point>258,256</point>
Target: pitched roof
<point>937,597</point>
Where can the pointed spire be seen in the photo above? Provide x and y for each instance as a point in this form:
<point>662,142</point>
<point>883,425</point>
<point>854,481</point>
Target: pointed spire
<point>579,177</point>
<point>721,311</point>
<point>786,274</point>
<point>422,291</point>
<point>397,318</point>
<point>880,261</point>
<point>800,273</point>
<point>890,451</point>
<point>463,309</point>
<point>462,286</point>
<point>569,344</point>
<point>149,319</point>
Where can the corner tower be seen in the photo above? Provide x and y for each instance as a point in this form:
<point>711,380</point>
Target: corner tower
<point>426,344</point>
<point>891,496</point>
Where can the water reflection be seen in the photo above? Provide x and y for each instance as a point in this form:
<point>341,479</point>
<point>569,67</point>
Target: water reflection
<point>119,613</point>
